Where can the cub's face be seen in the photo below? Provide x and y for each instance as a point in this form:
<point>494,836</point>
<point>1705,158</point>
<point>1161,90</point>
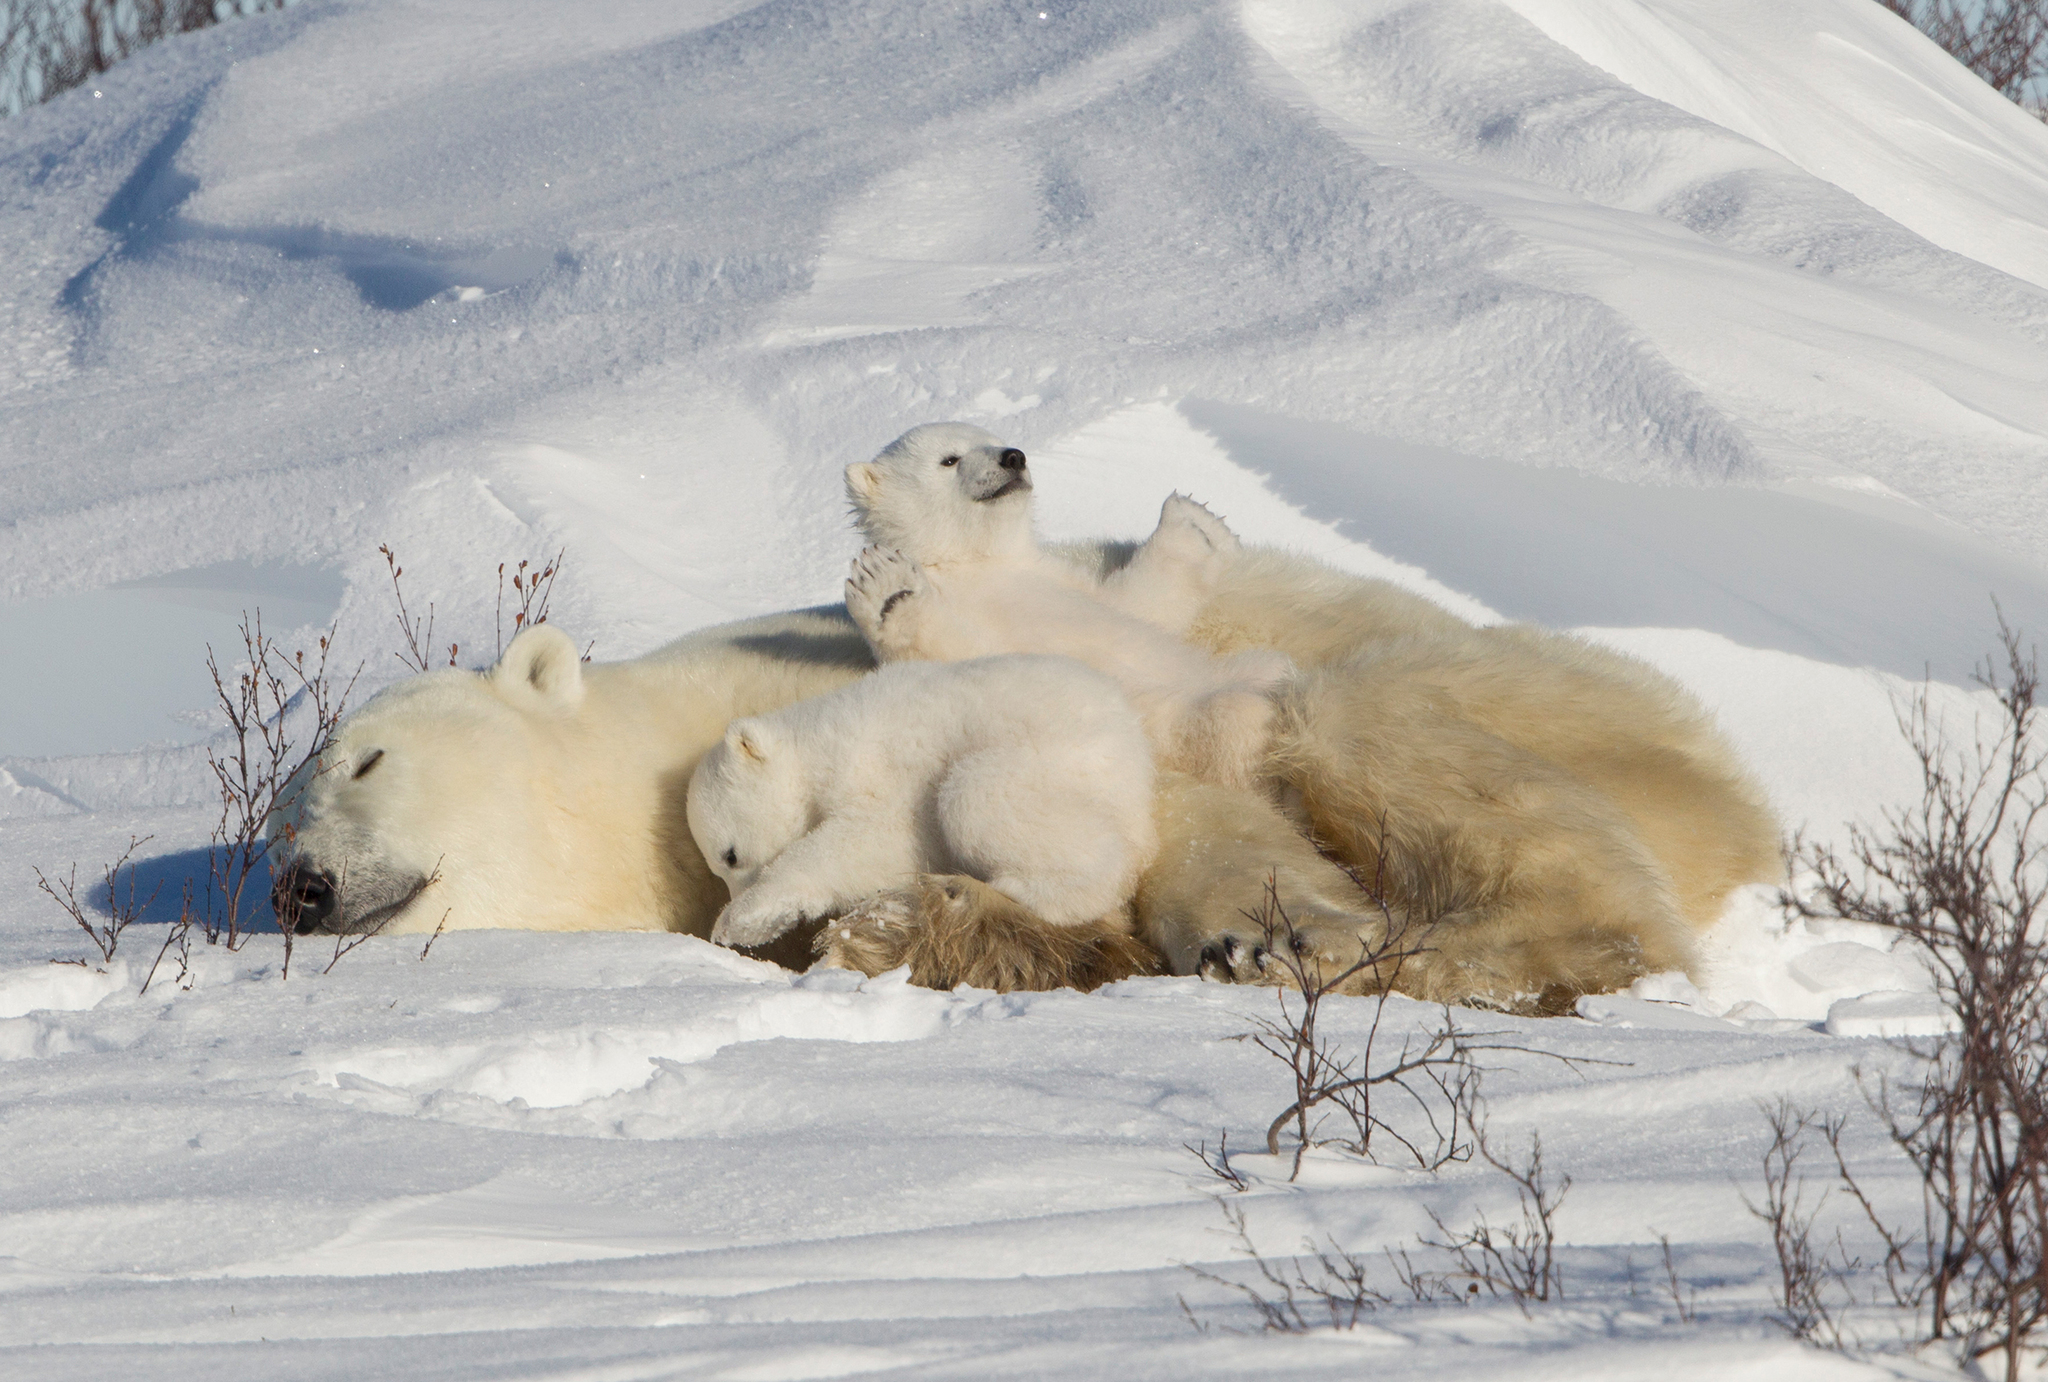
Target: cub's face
<point>944,492</point>
<point>747,803</point>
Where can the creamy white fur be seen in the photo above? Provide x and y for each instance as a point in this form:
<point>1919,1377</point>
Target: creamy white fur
<point>1031,774</point>
<point>953,572</point>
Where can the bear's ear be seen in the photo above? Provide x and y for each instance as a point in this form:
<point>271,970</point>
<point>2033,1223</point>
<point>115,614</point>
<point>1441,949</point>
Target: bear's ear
<point>541,670</point>
<point>863,482</point>
<point>749,740</point>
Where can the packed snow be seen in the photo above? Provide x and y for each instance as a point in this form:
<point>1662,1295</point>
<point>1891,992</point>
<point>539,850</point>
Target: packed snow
<point>1716,331</point>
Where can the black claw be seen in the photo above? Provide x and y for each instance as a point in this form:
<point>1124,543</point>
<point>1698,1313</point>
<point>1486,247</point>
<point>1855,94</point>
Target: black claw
<point>1260,955</point>
<point>890,603</point>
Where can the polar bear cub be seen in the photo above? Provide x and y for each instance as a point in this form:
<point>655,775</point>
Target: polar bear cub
<point>1031,774</point>
<point>954,572</point>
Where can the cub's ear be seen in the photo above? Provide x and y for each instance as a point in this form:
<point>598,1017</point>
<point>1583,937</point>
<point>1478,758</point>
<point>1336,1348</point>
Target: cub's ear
<point>863,482</point>
<point>540,670</point>
<point>749,740</point>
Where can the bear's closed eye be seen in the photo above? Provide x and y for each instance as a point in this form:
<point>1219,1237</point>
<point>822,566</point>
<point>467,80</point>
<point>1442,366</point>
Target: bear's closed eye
<point>367,764</point>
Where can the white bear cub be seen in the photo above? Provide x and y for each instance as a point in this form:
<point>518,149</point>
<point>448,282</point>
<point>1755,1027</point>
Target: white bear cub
<point>1029,773</point>
<point>954,572</point>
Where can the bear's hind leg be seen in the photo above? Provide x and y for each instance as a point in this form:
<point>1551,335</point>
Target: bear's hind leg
<point>1533,885</point>
<point>951,929</point>
<point>1174,572</point>
<point>1235,879</point>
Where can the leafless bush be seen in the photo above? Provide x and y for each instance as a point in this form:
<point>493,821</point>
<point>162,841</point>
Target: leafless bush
<point>1218,1162</point>
<point>49,46</point>
<point>531,590</point>
<point>103,932</point>
<point>1517,1260</point>
<point>266,746</point>
<point>1813,1287</point>
<point>1686,1298</point>
<point>2003,41</point>
<point>1292,1297</point>
<point>417,639</point>
<point>1963,874</point>
<point>1428,1079</point>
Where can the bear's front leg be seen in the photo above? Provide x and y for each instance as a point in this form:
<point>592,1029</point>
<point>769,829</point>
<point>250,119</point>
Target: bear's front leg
<point>819,876</point>
<point>886,594</point>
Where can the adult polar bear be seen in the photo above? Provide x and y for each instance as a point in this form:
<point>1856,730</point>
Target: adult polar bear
<point>1560,818</point>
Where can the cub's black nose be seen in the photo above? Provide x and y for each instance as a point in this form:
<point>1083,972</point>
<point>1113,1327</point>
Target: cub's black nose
<point>303,899</point>
<point>1011,459</point>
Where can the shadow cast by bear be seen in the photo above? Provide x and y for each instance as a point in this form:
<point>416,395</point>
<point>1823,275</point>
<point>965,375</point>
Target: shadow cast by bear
<point>161,884</point>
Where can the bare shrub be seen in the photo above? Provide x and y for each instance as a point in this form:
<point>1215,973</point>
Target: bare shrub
<point>418,639</point>
<point>531,588</point>
<point>103,931</point>
<point>1686,1298</point>
<point>262,752</point>
<point>531,591</point>
<point>1812,1289</point>
<point>1427,1077</point>
<point>1218,1162</point>
<point>1516,1260</point>
<point>1962,874</point>
<point>2003,41</point>
<point>1291,1296</point>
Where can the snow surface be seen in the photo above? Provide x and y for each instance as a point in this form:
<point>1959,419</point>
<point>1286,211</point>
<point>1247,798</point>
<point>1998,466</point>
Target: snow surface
<point>1716,331</point>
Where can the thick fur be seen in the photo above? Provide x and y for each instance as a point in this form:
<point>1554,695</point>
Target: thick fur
<point>953,572</point>
<point>955,930</point>
<point>1523,816</point>
<point>1030,774</point>
<point>1557,818</point>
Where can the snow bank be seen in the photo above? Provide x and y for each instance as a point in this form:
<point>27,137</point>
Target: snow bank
<point>1718,335</point>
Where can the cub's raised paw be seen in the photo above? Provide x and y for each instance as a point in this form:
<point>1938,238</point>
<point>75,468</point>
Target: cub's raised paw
<point>1191,529</point>
<point>878,587</point>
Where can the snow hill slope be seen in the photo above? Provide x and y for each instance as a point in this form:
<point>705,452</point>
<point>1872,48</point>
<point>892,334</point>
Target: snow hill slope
<point>1717,330</point>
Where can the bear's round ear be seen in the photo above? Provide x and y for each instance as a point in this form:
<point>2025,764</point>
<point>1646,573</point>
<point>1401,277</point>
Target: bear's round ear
<point>863,482</point>
<point>540,670</point>
<point>749,740</point>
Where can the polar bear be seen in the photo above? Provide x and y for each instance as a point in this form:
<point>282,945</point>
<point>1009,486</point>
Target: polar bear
<point>1546,817</point>
<point>954,572</point>
<point>1028,773</point>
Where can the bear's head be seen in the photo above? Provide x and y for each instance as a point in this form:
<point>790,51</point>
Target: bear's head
<point>432,805</point>
<point>747,801</point>
<point>944,492</point>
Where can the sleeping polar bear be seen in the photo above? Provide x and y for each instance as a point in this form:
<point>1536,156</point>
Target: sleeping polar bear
<point>1550,818</point>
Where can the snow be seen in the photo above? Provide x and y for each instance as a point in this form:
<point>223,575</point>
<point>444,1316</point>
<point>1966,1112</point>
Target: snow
<point>1717,333</point>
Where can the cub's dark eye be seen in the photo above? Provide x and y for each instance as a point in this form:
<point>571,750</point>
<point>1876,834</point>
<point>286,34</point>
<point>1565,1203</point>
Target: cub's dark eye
<point>950,460</point>
<point>363,769</point>
<point>732,858</point>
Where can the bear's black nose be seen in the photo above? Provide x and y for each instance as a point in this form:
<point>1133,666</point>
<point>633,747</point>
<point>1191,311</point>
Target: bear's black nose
<point>303,899</point>
<point>1011,459</point>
